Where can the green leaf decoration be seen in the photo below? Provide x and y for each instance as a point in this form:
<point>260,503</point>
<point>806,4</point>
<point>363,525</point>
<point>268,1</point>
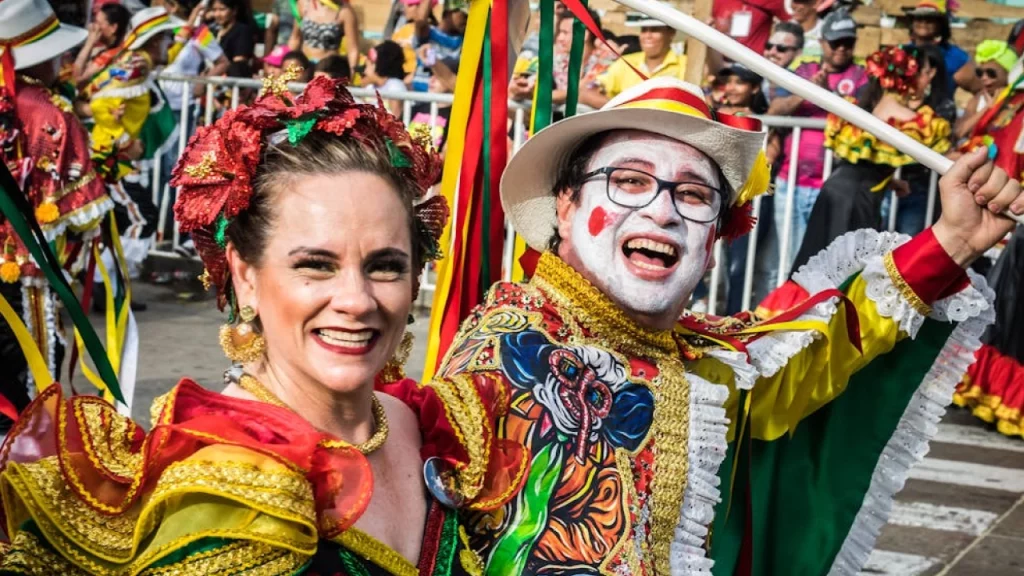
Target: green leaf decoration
<point>398,158</point>
<point>297,129</point>
<point>221,235</point>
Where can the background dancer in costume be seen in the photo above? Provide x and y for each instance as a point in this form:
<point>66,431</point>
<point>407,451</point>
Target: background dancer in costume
<point>905,89</point>
<point>47,150</point>
<point>627,403</point>
<point>311,217</point>
<point>994,386</point>
<point>133,124</point>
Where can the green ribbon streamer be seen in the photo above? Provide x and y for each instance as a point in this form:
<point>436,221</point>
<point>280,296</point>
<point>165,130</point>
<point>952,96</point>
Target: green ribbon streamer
<point>17,209</point>
<point>545,66</point>
<point>572,91</point>
<point>485,216</point>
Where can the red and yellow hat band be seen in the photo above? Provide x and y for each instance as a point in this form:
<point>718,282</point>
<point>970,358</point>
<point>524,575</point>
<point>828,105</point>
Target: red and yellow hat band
<point>37,33</point>
<point>145,27</point>
<point>684,102</point>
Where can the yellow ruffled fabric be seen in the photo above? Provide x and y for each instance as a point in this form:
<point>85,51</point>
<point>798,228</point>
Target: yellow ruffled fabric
<point>220,492</point>
<point>856,145</point>
<point>778,403</point>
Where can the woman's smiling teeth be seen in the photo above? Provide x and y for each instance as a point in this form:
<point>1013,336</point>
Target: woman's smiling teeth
<point>345,338</point>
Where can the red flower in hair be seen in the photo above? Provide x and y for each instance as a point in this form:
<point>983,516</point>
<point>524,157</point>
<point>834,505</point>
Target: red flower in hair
<point>895,69</point>
<point>215,172</point>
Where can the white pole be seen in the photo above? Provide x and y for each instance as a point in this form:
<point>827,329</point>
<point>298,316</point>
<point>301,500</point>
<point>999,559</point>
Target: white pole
<point>787,221</point>
<point>748,271</point>
<point>809,91</point>
<point>933,188</point>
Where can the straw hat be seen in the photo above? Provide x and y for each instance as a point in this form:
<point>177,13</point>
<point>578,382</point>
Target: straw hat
<point>148,23</point>
<point>31,32</point>
<point>665,106</point>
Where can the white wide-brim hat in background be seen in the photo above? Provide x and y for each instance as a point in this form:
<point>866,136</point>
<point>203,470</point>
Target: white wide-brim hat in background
<point>148,23</point>
<point>665,106</point>
<point>35,34</point>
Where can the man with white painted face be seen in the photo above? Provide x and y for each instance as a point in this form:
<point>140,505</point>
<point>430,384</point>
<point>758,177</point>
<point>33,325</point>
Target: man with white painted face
<point>619,431</point>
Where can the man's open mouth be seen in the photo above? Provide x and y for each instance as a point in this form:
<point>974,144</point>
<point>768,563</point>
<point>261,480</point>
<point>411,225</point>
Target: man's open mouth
<point>649,254</point>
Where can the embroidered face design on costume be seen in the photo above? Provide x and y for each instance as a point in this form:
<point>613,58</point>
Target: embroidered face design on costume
<point>587,395</point>
<point>650,259</point>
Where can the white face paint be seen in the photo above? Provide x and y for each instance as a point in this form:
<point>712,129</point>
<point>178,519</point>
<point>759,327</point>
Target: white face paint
<point>648,260</point>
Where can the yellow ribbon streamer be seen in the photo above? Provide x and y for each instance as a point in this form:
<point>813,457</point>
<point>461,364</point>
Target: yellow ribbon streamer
<point>472,50</point>
<point>36,363</point>
<point>116,322</point>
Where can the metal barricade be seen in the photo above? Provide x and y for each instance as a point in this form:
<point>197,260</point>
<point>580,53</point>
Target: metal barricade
<point>170,243</point>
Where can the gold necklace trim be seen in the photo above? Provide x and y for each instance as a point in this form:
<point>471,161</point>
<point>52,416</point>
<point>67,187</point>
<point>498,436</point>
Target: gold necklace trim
<point>605,319</point>
<point>380,418</point>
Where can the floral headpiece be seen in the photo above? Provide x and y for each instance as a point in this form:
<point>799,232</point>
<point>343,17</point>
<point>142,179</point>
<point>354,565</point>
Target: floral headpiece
<point>218,167</point>
<point>894,68</point>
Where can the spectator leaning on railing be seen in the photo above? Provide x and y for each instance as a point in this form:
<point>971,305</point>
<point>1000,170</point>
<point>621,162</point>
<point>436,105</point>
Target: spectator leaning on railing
<point>836,71</point>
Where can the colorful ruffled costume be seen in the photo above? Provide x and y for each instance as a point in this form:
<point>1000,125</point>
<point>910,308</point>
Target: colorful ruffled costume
<point>636,441</point>
<point>219,485</point>
<point>994,386</point>
<point>47,151</point>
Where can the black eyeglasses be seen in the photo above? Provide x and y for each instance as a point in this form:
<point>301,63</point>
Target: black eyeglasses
<point>768,46</point>
<point>847,43</point>
<point>629,188</point>
<point>992,73</point>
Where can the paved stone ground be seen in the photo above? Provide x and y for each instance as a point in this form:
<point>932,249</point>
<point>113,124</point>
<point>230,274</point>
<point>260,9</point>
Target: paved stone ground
<point>960,514</point>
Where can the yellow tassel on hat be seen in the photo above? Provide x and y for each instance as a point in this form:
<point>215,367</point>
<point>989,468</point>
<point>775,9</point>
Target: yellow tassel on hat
<point>758,182</point>
<point>47,212</point>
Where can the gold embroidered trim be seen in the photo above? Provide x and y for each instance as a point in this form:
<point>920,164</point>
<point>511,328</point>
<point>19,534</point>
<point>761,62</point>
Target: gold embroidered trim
<point>467,417</point>
<point>282,494</point>
<point>110,535</point>
<point>578,298</point>
<point>107,441</point>
<point>671,431</point>
<point>248,557</point>
<point>27,555</point>
<point>905,290</point>
<point>376,551</point>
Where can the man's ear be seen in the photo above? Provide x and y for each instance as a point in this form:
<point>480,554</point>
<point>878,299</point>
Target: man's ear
<point>565,209</point>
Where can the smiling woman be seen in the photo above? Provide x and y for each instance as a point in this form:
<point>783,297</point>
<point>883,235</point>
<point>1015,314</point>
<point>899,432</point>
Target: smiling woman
<point>311,217</point>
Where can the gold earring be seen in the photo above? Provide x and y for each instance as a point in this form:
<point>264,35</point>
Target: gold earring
<point>242,343</point>
<point>394,370</point>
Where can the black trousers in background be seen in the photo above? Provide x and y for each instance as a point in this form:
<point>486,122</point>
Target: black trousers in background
<point>846,203</point>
